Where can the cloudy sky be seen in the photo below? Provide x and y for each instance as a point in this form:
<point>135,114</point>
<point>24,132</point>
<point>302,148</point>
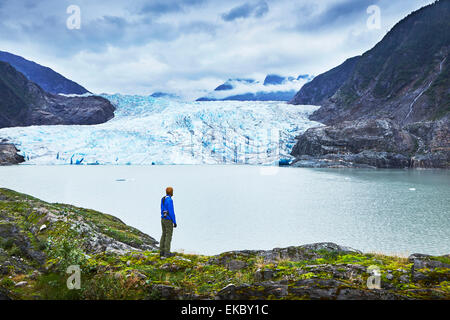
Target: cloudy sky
<point>190,46</point>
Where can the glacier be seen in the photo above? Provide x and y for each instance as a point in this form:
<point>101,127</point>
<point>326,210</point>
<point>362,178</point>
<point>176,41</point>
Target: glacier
<point>148,130</point>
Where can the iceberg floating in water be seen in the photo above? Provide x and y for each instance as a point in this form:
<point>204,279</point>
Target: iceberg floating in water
<point>148,130</point>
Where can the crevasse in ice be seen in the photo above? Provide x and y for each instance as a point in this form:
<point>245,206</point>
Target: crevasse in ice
<point>147,130</point>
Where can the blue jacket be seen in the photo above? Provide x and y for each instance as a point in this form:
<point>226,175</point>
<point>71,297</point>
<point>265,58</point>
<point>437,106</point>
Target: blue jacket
<point>168,206</point>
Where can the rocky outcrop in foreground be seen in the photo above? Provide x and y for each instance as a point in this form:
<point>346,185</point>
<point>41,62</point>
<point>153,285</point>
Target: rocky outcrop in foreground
<point>24,103</point>
<point>375,143</point>
<point>39,240</point>
<point>29,226</point>
<point>9,154</point>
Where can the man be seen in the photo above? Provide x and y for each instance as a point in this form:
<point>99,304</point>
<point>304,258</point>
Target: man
<point>168,222</point>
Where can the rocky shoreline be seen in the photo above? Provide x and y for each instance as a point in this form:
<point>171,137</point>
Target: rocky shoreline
<point>9,154</point>
<point>375,143</point>
<point>39,240</point>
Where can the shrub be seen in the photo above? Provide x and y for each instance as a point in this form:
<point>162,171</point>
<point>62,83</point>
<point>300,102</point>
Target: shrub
<point>6,283</point>
<point>7,243</point>
<point>65,252</point>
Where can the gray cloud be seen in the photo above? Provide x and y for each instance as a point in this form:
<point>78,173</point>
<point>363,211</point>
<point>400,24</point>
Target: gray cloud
<point>317,16</point>
<point>98,32</point>
<point>189,46</point>
<point>160,7</point>
<point>246,10</point>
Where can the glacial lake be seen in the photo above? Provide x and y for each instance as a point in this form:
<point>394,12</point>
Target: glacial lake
<point>229,207</point>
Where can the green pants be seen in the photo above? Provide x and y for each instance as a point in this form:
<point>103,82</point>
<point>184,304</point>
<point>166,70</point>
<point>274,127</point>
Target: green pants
<point>166,237</point>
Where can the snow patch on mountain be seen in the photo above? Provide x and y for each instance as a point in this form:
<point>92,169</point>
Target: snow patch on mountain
<point>273,87</point>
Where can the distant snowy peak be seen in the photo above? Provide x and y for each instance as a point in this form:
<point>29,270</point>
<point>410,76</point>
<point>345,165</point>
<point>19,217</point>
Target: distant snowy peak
<point>273,88</point>
<point>166,95</point>
<point>232,83</point>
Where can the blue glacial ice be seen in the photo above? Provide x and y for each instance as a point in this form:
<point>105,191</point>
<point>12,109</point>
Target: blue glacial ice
<point>147,130</point>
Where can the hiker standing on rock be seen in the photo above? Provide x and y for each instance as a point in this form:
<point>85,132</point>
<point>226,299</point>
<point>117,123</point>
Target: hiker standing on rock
<point>168,222</point>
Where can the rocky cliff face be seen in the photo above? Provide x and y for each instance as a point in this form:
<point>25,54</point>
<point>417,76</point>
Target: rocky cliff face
<point>325,85</point>
<point>23,103</point>
<point>433,143</point>
<point>375,143</point>
<point>45,77</point>
<point>9,154</point>
<point>404,78</point>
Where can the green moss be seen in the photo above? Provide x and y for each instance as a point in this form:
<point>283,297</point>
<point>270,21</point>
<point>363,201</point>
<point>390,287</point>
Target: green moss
<point>7,244</point>
<point>15,251</point>
<point>445,286</point>
<point>308,275</point>
<point>443,259</point>
<point>6,283</point>
<point>355,259</point>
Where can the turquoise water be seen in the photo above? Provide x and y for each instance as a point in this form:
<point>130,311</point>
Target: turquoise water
<point>221,208</point>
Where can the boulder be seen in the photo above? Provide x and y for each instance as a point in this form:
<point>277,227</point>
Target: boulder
<point>260,291</point>
<point>360,294</point>
<point>304,252</point>
<point>9,154</point>
<point>235,265</point>
<point>172,267</point>
<point>378,143</point>
<point>138,275</point>
<point>165,291</point>
<point>429,264</point>
<point>21,284</point>
<point>300,253</point>
<point>4,294</point>
<point>316,288</point>
<point>227,293</point>
<point>261,275</point>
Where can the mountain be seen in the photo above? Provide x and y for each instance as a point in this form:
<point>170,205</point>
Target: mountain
<point>325,85</point>
<point>257,96</point>
<point>24,103</point>
<point>273,88</point>
<point>397,91</point>
<point>274,79</point>
<point>405,77</point>
<point>45,77</point>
